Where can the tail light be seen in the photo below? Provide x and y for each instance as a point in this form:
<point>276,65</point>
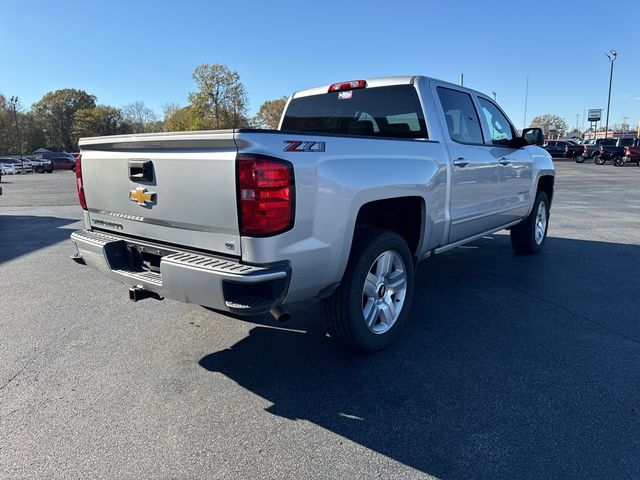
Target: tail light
<point>627,151</point>
<point>601,149</point>
<point>351,85</point>
<point>79,186</point>
<point>584,149</point>
<point>265,195</point>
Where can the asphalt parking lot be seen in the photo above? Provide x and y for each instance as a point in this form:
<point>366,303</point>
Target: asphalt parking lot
<point>512,366</point>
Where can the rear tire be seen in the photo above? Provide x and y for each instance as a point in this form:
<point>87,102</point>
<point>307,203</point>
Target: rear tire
<point>598,160</point>
<point>530,235</point>
<point>370,307</point>
<point>579,159</point>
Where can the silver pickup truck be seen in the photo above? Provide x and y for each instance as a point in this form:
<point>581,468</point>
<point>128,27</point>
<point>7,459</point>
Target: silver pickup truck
<point>362,180</point>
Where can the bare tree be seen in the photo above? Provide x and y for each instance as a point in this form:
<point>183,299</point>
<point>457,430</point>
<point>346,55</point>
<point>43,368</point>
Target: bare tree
<point>139,116</point>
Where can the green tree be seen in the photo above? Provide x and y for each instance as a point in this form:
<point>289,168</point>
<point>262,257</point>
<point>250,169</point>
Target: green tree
<point>57,110</point>
<point>8,140</point>
<point>32,133</point>
<point>550,122</point>
<point>97,121</point>
<point>221,99</point>
<point>269,114</point>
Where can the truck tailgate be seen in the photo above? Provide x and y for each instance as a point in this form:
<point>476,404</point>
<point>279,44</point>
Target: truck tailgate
<point>178,188</point>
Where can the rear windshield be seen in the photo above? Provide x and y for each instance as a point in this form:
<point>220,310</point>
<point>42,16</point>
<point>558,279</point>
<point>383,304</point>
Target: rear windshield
<point>392,111</point>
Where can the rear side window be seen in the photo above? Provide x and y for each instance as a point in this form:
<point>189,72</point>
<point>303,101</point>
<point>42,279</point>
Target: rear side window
<point>461,116</point>
<point>393,111</point>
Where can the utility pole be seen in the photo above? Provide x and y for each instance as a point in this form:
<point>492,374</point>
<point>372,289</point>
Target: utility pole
<point>462,79</point>
<point>526,97</point>
<point>494,96</point>
<point>14,103</point>
<point>612,58</point>
<point>577,119</point>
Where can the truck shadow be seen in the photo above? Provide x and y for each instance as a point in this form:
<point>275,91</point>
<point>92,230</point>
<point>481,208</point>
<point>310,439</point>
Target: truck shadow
<point>512,367</point>
<point>23,234</point>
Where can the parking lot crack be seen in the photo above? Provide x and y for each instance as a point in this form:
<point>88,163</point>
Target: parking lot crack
<point>562,307</point>
<point>12,378</point>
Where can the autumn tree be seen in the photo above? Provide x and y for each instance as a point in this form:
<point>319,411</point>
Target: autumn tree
<point>221,99</point>
<point>269,114</point>
<point>180,119</point>
<point>550,122</point>
<point>97,121</point>
<point>56,111</point>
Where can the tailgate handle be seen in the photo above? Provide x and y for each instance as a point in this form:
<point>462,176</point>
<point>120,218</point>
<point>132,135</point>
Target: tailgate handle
<point>141,170</point>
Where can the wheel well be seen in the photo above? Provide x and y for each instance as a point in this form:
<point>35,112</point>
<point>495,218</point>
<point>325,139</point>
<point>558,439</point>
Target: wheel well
<point>545,184</point>
<point>401,215</point>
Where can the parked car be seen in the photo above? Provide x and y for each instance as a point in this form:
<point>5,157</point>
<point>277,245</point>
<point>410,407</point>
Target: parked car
<point>556,148</point>
<point>63,163</point>
<point>363,179</point>
<point>614,152</point>
<point>631,155</point>
<point>21,166</point>
<point>51,155</point>
<point>42,165</point>
<point>8,168</point>
<point>591,150</point>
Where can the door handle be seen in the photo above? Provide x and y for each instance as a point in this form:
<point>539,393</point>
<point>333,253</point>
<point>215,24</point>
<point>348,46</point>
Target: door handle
<point>504,161</point>
<point>141,170</point>
<point>461,162</point>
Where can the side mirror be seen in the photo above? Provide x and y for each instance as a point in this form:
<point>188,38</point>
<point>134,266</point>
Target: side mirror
<point>533,136</point>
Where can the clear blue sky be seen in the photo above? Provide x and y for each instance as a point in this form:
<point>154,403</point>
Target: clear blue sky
<point>123,51</point>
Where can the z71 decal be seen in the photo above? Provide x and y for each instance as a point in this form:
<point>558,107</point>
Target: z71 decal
<point>301,146</point>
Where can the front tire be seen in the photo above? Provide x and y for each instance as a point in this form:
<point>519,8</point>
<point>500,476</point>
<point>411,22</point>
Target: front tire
<point>371,305</point>
<point>530,235</point>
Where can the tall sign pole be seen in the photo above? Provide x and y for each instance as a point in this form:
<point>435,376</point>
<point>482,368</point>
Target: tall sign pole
<point>612,58</point>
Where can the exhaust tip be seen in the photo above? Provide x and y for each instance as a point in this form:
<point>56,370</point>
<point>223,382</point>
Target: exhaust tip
<point>280,314</point>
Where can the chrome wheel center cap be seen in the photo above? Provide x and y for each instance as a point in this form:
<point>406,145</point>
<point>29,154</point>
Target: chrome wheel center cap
<point>382,290</point>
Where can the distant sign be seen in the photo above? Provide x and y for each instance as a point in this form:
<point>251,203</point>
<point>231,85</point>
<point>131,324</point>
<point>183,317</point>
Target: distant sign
<point>594,114</point>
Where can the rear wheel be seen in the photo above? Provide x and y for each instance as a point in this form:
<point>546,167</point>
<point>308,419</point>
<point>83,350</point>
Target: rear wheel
<point>598,160</point>
<point>371,305</point>
<point>579,158</point>
<point>618,162</point>
<point>530,235</point>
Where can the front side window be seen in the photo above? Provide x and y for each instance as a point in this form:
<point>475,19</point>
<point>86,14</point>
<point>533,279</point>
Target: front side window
<point>462,119</point>
<point>499,127</point>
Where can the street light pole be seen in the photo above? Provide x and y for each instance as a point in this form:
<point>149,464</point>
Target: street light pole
<point>14,103</point>
<point>612,58</point>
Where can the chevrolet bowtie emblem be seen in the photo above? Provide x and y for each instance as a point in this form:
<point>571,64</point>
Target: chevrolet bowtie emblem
<point>141,196</point>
